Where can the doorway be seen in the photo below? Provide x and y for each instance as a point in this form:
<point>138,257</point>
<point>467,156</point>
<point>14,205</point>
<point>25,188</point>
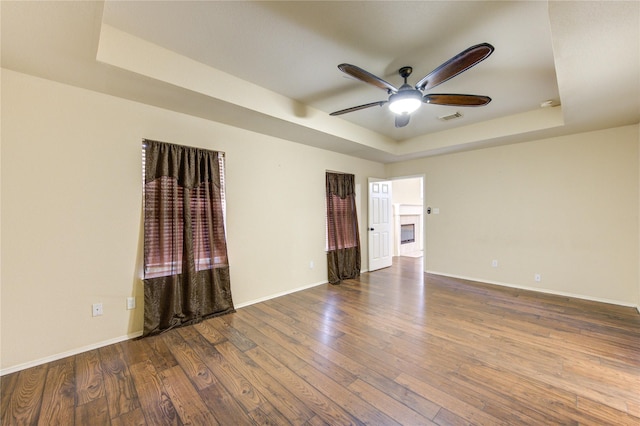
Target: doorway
<point>396,220</point>
<point>408,216</point>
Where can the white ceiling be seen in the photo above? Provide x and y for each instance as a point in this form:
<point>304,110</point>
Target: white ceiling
<point>272,66</point>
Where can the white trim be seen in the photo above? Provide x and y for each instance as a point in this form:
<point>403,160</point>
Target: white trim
<point>77,351</point>
<point>283,293</point>
<point>71,352</point>
<point>540,290</point>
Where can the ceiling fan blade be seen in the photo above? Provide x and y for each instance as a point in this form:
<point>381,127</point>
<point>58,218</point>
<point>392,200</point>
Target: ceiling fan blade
<point>366,76</point>
<point>454,66</point>
<point>402,120</point>
<point>359,107</point>
<point>456,100</point>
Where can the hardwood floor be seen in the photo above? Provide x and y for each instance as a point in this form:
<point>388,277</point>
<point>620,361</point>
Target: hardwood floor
<point>392,347</point>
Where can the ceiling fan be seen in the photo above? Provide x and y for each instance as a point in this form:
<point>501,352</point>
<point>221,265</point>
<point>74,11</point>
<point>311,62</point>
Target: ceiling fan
<point>407,99</point>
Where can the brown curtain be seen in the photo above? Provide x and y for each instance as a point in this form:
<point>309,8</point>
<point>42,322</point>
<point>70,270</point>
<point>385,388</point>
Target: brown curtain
<point>186,271</point>
<point>343,255</point>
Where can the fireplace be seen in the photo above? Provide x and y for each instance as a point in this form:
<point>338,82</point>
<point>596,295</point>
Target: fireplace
<point>407,233</point>
<point>407,220</point>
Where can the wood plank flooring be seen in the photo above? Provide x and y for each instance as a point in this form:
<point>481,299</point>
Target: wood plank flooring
<point>393,347</point>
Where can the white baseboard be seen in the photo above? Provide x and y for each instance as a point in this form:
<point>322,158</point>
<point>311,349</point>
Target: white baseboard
<point>77,351</point>
<point>71,352</point>
<point>273,296</point>
<point>539,290</point>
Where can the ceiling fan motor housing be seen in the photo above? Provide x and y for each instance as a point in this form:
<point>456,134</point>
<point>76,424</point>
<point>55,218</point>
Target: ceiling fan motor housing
<point>407,99</point>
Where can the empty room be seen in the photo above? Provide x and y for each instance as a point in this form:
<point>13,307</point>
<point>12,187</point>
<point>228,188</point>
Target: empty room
<point>320,213</point>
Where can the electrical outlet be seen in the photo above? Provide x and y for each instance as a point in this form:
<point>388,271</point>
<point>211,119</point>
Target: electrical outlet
<point>131,303</point>
<point>97,309</point>
<point>311,265</point>
<point>494,263</point>
<point>537,278</point>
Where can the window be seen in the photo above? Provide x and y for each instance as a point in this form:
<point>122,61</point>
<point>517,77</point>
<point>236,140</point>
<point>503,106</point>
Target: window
<point>164,225</point>
<point>342,231</point>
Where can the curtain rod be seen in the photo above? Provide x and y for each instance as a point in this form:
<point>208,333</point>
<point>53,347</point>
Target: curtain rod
<point>144,140</point>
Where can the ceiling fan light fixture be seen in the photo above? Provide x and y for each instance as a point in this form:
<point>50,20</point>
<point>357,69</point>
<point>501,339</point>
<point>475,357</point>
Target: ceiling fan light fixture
<point>405,102</point>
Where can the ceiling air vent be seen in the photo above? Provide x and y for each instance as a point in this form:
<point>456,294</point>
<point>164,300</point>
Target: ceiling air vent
<point>450,116</point>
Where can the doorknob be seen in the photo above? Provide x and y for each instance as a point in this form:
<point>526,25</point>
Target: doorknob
<point>371,229</point>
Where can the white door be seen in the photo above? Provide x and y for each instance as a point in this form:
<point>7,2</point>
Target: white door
<point>380,249</point>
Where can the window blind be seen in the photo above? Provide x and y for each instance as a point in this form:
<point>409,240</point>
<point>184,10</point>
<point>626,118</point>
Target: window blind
<point>165,206</point>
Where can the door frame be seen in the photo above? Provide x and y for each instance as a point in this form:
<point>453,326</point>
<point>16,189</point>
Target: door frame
<point>423,195</point>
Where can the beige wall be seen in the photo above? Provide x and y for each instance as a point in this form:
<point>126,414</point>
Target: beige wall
<point>565,208</point>
<point>71,213</point>
<point>407,191</point>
